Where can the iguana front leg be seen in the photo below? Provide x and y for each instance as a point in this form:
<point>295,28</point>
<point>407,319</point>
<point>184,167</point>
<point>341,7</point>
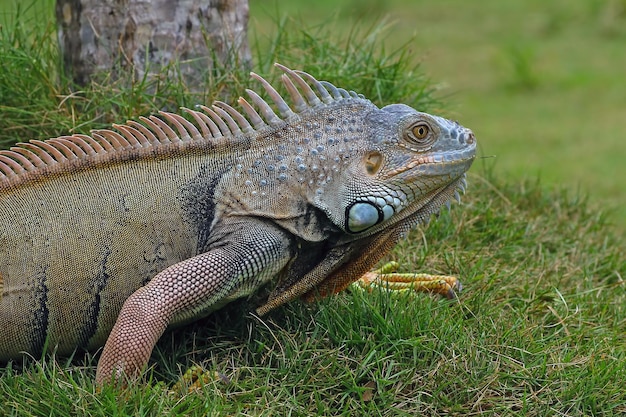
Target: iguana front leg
<point>387,278</point>
<point>242,261</point>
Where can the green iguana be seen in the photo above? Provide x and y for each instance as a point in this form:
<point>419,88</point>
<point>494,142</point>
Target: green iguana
<point>117,236</point>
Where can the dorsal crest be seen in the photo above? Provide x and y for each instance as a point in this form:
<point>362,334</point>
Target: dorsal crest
<point>217,124</point>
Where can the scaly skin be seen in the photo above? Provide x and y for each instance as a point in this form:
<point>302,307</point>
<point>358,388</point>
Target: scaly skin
<point>112,238</point>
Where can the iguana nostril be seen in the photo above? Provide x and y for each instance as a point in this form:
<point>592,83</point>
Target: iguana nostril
<point>466,137</point>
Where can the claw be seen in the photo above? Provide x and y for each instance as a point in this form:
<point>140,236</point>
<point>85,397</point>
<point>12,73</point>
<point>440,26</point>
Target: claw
<point>463,185</point>
<point>387,278</point>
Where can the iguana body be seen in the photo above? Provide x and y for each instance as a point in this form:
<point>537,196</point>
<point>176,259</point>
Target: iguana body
<point>115,237</point>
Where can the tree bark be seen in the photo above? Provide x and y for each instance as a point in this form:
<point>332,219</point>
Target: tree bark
<point>109,36</point>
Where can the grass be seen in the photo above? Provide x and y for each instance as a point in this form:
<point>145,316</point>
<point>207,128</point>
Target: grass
<point>538,330</point>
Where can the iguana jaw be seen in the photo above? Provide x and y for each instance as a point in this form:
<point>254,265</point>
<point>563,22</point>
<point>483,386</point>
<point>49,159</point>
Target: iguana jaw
<point>420,207</point>
<point>440,198</point>
<point>420,210</point>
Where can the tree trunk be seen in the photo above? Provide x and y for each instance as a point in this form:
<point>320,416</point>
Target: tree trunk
<point>108,36</point>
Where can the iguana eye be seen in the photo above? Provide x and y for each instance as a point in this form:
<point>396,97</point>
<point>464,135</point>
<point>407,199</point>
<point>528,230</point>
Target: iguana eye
<point>420,134</point>
<point>420,131</point>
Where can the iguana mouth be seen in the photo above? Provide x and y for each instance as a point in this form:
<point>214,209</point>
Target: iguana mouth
<point>433,162</point>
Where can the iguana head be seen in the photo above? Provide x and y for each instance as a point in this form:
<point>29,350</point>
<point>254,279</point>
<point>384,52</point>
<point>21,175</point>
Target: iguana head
<point>409,163</point>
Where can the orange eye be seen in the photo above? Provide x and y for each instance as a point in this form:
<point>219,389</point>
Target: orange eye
<point>420,131</point>
<point>420,135</point>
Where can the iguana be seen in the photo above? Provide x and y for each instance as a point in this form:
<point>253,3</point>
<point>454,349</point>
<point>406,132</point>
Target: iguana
<point>110,239</point>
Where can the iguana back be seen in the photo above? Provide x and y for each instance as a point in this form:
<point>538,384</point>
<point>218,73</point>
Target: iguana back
<point>179,218</point>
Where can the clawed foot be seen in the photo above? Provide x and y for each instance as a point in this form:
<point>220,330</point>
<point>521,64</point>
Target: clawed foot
<point>387,278</point>
<point>195,378</point>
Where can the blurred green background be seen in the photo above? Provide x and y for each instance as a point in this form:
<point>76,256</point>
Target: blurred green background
<point>542,84</point>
